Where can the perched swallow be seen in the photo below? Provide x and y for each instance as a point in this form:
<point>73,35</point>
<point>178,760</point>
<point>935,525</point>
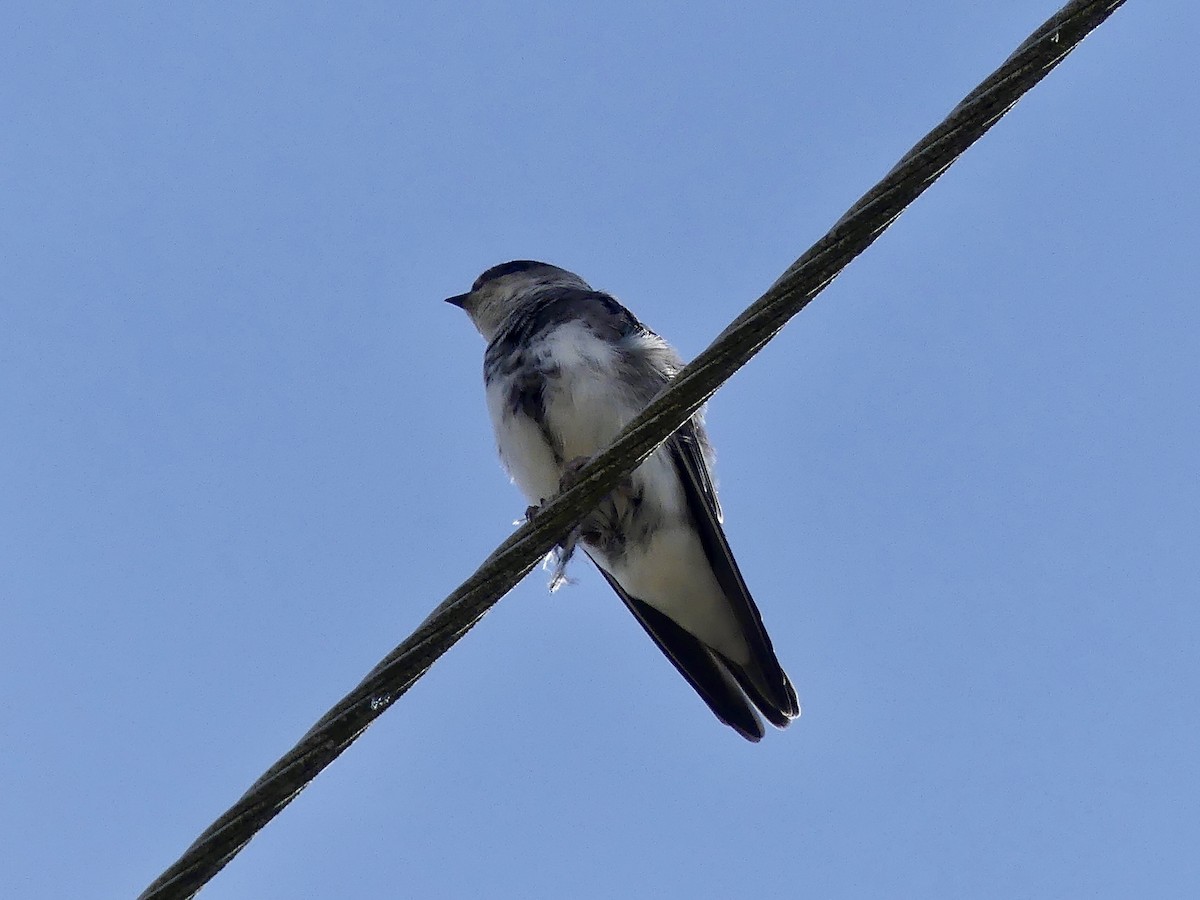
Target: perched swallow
<point>566,368</point>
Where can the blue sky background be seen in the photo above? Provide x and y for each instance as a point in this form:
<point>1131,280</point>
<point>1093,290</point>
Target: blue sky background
<point>246,451</point>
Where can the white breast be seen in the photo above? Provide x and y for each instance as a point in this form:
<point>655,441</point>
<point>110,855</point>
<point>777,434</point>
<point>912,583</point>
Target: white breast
<point>583,403</point>
<point>524,452</point>
<point>587,404</point>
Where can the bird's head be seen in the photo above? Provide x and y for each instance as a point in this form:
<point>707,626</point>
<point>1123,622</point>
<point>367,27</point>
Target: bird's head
<point>503,288</point>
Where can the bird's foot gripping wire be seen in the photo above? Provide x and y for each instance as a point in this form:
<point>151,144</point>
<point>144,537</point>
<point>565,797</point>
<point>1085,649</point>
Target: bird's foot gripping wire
<point>557,559</point>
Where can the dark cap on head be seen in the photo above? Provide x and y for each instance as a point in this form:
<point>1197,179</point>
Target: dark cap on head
<point>508,268</point>
<point>497,272</point>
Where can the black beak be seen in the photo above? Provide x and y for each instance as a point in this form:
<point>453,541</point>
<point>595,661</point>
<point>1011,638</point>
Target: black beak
<point>459,300</point>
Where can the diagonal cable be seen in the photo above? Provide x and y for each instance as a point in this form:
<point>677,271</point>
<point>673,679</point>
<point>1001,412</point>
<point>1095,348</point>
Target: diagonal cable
<point>736,345</point>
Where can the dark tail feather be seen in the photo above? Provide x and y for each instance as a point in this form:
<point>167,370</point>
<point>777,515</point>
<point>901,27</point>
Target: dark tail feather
<point>778,714</point>
<point>715,681</point>
<point>763,680</point>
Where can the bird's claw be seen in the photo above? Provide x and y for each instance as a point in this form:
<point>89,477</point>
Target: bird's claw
<point>570,474</point>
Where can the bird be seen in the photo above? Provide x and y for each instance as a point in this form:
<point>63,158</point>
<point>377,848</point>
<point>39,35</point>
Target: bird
<point>566,367</point>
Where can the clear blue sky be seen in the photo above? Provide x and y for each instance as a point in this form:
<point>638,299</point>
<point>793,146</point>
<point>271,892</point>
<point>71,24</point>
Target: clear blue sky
<point>246,451</point>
